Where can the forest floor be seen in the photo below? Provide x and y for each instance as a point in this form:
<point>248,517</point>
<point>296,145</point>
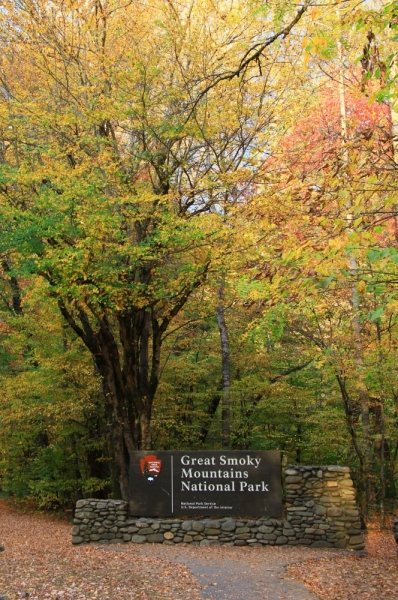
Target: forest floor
<point>40,563</point>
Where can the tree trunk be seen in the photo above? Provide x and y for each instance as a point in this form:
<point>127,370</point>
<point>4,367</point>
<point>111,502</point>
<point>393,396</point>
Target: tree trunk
<point>126,349</point>
<point>356,324</point>
<point>225,366</point>
<point>129,379</point>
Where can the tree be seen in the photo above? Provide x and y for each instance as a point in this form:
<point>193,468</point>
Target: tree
<point>334,170</point>
<point>54,445</point>
<point>112,184</point>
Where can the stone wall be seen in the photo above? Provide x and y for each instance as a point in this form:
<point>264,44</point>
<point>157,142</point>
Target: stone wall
<point>320,512</point>
<point>321,508</point>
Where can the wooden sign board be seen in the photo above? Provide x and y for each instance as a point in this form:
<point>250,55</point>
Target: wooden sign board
<point>233,483</point>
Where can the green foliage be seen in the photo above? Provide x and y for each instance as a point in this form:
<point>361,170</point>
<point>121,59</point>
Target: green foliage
<point>126,194</point>
<point>53,442</point>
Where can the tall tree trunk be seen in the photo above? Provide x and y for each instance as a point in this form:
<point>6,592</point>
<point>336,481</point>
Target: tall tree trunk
<point>225,366</point>
<point>16,299</point>
<point>366,459</point>
<point>126,349</point>
<point>380,424</point>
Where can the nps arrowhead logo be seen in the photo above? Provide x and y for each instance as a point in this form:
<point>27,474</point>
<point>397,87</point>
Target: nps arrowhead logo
<point>150,468</point>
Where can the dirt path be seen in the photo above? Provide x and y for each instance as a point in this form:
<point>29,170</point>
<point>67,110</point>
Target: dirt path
<point>240,573</point>
<point>40,563</point>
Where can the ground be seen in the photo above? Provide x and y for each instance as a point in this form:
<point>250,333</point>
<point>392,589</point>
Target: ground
<point>39,562</point>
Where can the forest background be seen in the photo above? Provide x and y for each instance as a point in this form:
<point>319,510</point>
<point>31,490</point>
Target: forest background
<point>198,238</point>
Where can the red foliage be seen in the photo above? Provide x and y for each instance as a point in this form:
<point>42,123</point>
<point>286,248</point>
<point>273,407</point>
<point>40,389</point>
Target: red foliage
<point>315,141</point>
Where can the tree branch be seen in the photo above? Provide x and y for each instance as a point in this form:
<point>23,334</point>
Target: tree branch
<point>253,54</point>
<point>291,370</point>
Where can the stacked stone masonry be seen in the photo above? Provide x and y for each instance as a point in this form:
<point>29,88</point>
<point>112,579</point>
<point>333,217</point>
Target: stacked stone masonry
<point>320,512</point>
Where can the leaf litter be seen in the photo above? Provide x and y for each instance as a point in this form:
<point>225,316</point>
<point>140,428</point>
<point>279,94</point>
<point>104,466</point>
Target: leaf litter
<point>40,563</point>
<point>344,576</point>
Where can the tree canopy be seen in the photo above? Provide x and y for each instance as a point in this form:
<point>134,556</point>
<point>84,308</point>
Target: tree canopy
<point>198,237</point>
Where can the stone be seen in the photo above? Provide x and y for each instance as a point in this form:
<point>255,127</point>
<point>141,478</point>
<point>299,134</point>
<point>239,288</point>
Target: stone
<point>146,531</point>
<point>319,510</point>
<point>338,469</point>
<point>188,539</point>
<point>209,543</point>
<point>356,539</point>
<point>280,540</point>
<point>266,529</point>
<point>242,530</point>
<point>168,535</point>
<point>334,512</point>
<point>85,515</point>
<point>186,525</point>
<point>138,539</point>
<point>217,531</point>
<point>321,544</point>
<point>293,479</point>
<point>198,526</point>
<point>156,538</point>
<point>228,526</point>
<point>75,531</point>
<point>213,524</point>
<point>240,543</point>
<point>77,539</point>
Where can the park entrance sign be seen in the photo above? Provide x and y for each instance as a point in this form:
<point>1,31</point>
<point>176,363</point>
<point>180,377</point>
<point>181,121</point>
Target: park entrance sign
<point>236,483</point>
